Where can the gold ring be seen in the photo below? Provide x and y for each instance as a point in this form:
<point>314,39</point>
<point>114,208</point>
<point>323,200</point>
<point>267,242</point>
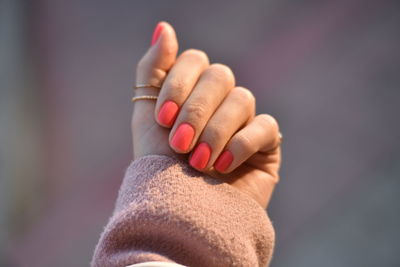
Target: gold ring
<point>146,86</point>
<point>151,97</point>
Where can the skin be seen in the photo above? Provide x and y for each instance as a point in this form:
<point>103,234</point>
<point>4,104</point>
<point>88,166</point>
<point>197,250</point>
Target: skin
<point>222,114</point>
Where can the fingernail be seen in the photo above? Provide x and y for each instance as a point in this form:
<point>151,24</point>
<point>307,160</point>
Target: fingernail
<point>201,155</point>
<point>156,33</point>
<point>168,113</point>
<point>183,137</point>
<point>224,160</point>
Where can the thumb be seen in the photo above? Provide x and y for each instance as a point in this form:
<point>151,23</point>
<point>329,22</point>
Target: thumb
<point>160,57</point>
<point>152,70</point>
<point>154,66</point>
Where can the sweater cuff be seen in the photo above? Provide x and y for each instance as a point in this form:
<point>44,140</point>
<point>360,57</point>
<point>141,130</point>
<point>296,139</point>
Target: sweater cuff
<point>168,211</point>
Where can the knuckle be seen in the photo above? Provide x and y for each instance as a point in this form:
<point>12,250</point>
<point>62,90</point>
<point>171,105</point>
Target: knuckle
<point>196,55</point>
<point>222,72</point>
<point>215,133</point>
<point>177,84</point>
<point>196,111</point>
<point>243,142</point>
<point>268,121</point>
<point>146,73</point>
<point>245,95</point>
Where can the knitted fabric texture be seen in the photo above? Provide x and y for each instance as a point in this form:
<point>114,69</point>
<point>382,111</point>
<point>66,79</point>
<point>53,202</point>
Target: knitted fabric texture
<point>168,211</point>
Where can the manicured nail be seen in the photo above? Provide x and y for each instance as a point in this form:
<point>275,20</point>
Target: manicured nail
<point>224,160</point>
<point>156,33</point>
<point>168,113</point>
<point>201,155</point>
<point>183,137</point>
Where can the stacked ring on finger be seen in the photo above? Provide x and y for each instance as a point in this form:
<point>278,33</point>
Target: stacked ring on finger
<point>145,97</point>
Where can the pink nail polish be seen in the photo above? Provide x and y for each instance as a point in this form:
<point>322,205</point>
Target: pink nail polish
<point>183,137</point>
<point>224,160</point>
<point>168,113</point>
<point>156,33</point>
<point>200,156</point>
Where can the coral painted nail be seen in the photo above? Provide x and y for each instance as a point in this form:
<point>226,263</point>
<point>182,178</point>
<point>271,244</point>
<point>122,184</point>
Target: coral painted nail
<point>183,137</point>
<point>224,160</point>
<point>201,155</point>
<point>156,33</point>
<point>168,113</point>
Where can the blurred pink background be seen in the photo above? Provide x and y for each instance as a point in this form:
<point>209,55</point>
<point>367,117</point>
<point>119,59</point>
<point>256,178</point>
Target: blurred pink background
<point>327,70</point>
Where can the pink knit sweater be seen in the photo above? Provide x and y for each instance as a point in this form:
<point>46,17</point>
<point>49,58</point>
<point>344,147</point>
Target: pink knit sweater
<point>167,211</point>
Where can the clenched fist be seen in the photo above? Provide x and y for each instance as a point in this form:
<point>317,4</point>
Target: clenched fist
<point>202,117</point>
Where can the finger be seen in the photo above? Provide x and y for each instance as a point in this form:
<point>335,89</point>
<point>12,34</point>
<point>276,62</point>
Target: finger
<point>214,84</point>
<point>235,111</point>
<point>260,135</point>
<point>178,84</point>
<point>154,65</point>
<point>152,69</point>
<point>159,58</point>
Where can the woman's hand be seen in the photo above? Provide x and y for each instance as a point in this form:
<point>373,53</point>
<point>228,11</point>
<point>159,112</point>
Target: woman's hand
<point>200,110</point>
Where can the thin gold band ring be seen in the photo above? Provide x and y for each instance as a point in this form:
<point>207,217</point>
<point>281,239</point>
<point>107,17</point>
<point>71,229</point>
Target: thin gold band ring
<point>146,86</point>
<point>149,97</point>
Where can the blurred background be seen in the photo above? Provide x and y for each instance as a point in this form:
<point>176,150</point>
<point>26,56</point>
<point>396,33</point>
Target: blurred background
<point>327,70</point>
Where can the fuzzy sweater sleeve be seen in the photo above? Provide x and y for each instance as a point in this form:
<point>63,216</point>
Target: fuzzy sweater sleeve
<point>167,211</point>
